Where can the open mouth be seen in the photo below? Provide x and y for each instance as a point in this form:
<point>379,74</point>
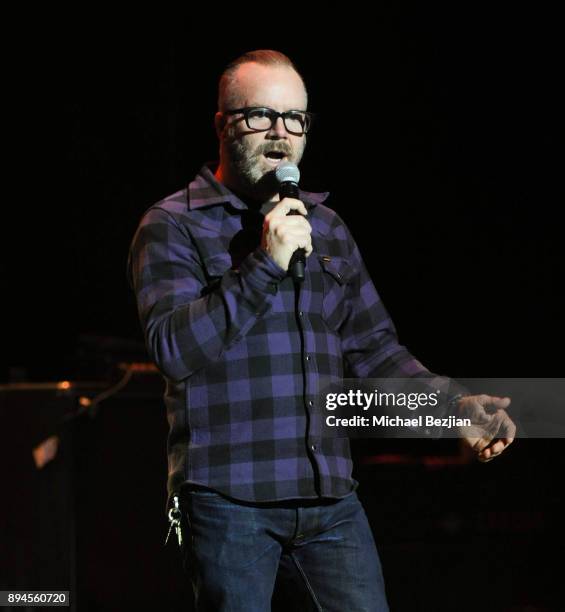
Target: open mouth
<point>274,157</point>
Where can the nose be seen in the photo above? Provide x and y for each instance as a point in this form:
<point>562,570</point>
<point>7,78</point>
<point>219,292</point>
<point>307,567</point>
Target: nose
<point>278,129</point>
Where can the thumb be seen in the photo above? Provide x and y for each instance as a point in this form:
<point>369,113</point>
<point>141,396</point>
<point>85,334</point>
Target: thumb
<point>500,402</point>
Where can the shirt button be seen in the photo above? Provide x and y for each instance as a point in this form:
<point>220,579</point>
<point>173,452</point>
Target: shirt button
<point>308,358</point>
<point>301,314</point>
<point>314,447</point>
<point>310,403</point>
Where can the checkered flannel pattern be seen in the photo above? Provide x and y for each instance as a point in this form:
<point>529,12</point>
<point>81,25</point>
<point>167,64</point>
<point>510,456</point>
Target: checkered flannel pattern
<point>243,353</point>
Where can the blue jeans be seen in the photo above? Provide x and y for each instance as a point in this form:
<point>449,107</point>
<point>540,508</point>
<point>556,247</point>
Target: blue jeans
<point>322,556</point>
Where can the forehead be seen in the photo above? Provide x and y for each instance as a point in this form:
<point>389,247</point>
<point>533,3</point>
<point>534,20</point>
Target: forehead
<point>278,87</point>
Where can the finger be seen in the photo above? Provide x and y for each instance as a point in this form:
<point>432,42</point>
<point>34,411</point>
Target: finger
<point>484,455</point>
<point>286,232</point>
<point>482,399</point>
<point>295,221</point>
<point>500,402</point>
<point>480,443</point>
<point>281,226</point>
<point>503,443</point>
<point>506,426</point>
<point>496,447</point>
<point>493,450</point>
<point>476,411</point>
<point>297,238</point>
<point>288,204</point>
<point>484,458</point>
<point>497,435</point>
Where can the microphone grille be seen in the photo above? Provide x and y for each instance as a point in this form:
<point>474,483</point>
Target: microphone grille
<point>287,171</point>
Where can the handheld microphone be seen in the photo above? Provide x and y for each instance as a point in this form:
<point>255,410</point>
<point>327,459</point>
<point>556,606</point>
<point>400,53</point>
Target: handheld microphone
<point>288,175</point>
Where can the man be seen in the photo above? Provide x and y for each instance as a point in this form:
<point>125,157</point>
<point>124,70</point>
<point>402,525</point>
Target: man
<point>243,347</point>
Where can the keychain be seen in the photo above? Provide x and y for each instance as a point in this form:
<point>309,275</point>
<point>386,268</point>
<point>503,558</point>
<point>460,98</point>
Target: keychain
<point>175,521</point>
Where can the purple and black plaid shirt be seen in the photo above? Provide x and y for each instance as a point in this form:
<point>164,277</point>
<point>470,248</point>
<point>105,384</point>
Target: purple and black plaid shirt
<point>243,353</point>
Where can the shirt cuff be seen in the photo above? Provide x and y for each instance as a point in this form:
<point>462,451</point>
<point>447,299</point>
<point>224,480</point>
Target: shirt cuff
<point>261,272</point>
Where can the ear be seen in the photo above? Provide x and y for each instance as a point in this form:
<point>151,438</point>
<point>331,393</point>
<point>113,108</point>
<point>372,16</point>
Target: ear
<point>220,121</point>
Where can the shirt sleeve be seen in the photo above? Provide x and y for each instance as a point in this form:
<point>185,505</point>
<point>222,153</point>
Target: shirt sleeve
<point>370,341</point>
<point>187,326</point>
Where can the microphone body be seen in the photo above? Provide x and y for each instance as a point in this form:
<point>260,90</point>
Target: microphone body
<point>288,176</point>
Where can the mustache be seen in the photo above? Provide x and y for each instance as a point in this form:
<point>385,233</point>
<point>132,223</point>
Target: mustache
<point>274,147</point>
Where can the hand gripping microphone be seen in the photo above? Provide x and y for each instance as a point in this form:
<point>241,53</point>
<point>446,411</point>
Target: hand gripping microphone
<point>288,175</point>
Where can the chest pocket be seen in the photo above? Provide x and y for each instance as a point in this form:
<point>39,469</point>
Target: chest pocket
<point>337,273</point>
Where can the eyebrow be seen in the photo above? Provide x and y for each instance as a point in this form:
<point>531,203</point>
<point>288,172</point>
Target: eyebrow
<point>271,108</point>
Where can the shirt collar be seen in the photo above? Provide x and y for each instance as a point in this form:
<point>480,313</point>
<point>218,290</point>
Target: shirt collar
<point>206,190</point>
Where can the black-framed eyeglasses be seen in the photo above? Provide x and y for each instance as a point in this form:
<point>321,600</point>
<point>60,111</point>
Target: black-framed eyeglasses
<point>262,119</point>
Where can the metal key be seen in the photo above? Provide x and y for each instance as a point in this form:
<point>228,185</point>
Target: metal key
<point>175,521</point>
<point>169,532</point>
<point>179,533</point>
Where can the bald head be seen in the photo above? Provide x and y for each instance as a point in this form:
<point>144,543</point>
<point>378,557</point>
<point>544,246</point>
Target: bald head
<point>252,69</point>
<point>253,84</point>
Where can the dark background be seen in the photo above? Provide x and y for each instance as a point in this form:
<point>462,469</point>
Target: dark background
<point>439,135</point>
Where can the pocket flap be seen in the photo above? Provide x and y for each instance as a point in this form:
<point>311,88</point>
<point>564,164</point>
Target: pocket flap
<point>338,268</point>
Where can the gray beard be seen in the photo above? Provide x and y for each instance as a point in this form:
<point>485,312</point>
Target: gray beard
<point>245,165</point>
